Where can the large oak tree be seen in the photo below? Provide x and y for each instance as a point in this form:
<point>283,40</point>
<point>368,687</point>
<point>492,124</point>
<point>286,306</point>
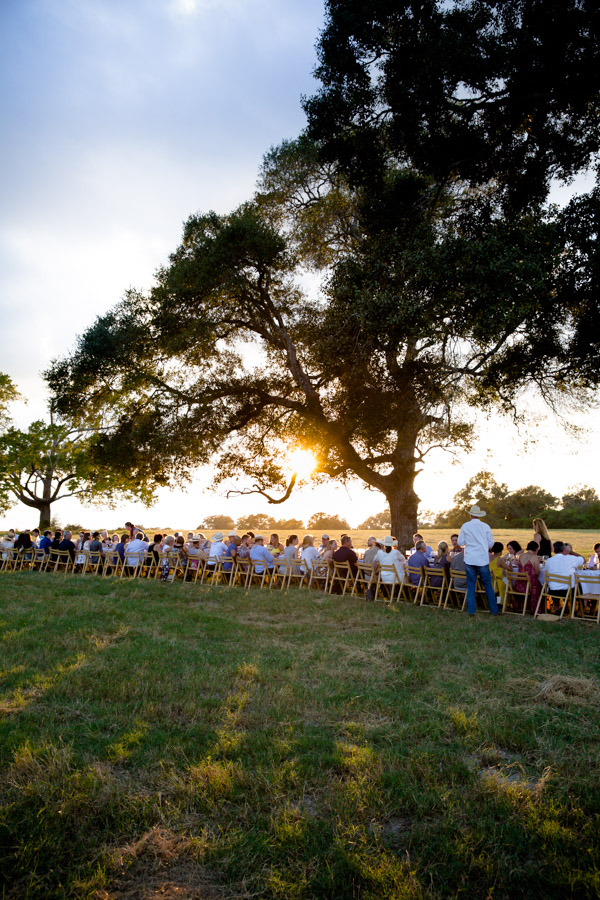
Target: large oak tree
<point>448,281</point>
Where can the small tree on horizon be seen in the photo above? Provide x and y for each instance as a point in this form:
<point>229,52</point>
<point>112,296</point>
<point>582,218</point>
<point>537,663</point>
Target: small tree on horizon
<point>327,522</point>
<point>218,522</point>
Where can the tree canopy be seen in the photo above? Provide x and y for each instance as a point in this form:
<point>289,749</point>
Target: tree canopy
<point>448,283</point>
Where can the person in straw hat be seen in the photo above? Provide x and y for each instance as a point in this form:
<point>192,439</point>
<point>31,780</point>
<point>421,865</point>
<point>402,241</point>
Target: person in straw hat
<point>477,539</point>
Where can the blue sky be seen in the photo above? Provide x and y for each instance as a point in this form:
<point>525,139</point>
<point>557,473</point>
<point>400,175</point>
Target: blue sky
<point>119,120</point>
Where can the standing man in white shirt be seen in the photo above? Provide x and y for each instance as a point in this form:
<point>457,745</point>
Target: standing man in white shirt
<point>477,539</point>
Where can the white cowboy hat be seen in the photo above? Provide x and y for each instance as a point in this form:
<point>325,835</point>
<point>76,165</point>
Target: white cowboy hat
<point>218,536</point>
<point>389,541</point>
<point>258,537</point>
<point>475,511</point>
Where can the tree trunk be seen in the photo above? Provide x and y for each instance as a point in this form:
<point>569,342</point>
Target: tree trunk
<point>44,508</point>
<point>404,503</point>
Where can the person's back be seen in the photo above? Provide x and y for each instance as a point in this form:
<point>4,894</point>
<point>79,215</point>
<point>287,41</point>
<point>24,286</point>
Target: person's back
<point>24,542</point>
<point>418,560</point>
<point>561,564</point>
<point>458,565</point>
<point>261,556</point>
<point>136,549</point>
<point>67,544</point>
<point>95,548</point>
<point>345,553</point>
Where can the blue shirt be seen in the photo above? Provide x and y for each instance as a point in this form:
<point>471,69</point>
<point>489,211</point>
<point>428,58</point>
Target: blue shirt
<point>417,561</point>
<point>259,553</point>
<point>45,544</point>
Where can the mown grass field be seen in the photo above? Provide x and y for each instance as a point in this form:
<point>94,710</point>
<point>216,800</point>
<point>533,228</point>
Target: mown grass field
<point>178,741</point>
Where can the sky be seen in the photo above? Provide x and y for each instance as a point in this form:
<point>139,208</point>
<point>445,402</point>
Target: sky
<point>121,119</point>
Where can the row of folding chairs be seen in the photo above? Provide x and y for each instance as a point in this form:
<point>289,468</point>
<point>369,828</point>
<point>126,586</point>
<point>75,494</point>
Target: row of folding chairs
<point>425,587</point>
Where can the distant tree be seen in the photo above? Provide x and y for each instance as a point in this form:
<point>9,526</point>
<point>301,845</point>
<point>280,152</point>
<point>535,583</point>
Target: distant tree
<point>217,523</point>
<point>579,497</point>
<point>255,522</point>
<point>287,524</point>
<point>502,507</point>
<point>526,503</point>
<point>381,520</point>
<point>8,394</point>
<point>50,461</point>
<point>324,521</point>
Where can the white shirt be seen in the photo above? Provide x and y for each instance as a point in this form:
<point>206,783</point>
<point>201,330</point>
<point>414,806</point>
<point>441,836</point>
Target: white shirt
<point>393,558</point>
<point>562,565</point>
<point>217,550</point>
<point>477,539</point>
<point>136,546</point>
<point>307,554</point>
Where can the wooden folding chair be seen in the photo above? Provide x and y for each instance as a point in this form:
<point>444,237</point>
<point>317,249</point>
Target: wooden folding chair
<point>513,598</point>
<point>587,603</point>
<point>456,595</point>
<point>294,575</point>
<point>280,573</point>
<point>362,579</point>
<point>257,577</point>
<point>340,574</point>
<point>410,591</point>
<point>39,561</point>
<point>61,561</point>
<point>192,569</point>
<point>320,572</point>
<point>8,560</point>
<point>209,571</point>
<point>396,581</point>
<point>552,599</point>
<point>132,564</point>
<point>93,564</point>
<point>112,564</point>
<point>430,593</point>
<point>243,570</point>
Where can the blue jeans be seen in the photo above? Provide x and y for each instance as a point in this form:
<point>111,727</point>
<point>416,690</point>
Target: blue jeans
<point>486,579</point>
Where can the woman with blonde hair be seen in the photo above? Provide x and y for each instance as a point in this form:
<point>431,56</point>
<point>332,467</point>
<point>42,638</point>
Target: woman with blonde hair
<point>308,552</point>
<point>542,539</point>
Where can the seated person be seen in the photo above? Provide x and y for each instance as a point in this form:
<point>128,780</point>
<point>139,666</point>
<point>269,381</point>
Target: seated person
<point>261,555</point>
<point>346,554</point>
<point>95,547</point>
<point>564,562</point>
<point>496,570</point>
<point>371,551</point>
<point>67,544</point>
<point>419,538</point>
<point>46,541</point>
<point>308,553</point>
<point>594,560</point>
<point>418,560</point>
<point>458,565</point>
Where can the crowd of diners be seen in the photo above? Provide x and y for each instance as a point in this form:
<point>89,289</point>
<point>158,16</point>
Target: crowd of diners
<point>555,557</point>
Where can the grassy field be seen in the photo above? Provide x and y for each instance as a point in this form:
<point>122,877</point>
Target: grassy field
<point>178,741</point>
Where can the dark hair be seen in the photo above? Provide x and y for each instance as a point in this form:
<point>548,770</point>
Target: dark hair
<point>557,546</point>
<point>251,534</point>
<point>455,535</point>
<point>533,546</point>
<point>497,547</point>
<point>596,547</point>
<point>95,534</point>
<point>387,548</point>
<point>290,538</point>
<point>345,538</point>
<point>157,538</point>
<point>46,533</point>
<point>124,537</point>
<point>516,546</point>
